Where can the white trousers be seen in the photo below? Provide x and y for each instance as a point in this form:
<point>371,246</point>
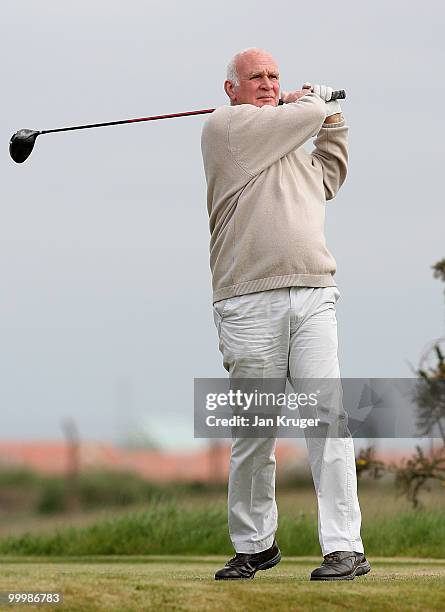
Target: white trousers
<point>287,333</point>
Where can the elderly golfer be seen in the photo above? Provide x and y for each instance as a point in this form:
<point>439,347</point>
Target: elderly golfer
<point>274,295</point>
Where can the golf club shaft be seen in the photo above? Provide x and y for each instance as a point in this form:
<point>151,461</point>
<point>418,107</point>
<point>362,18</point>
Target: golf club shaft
<point>154,118</point>
<point>335,95</point>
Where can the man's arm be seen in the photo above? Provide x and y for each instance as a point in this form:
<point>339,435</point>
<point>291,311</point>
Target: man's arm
<point>331,153</point>
<point>258,136</point>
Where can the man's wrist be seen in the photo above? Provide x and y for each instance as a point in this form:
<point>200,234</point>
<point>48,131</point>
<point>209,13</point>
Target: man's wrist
<point>334,118</point>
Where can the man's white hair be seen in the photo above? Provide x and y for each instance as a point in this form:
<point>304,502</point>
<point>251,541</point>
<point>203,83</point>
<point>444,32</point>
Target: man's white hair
<point>232,72</point>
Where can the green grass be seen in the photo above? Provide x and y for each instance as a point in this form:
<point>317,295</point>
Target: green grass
<point>180,584</point>
<point>172,528</point>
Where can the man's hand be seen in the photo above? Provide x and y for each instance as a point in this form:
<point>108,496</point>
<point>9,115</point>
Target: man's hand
<point>333,108</point>
<point>293,96</point>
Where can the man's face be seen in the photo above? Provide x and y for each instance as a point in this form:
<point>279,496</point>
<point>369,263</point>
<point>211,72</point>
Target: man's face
<point>259,79</point>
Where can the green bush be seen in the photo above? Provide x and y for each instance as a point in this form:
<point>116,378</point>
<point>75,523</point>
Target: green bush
<point>93,489</point>
<point>52,496</point>
<point>115,489</point>
<point>19,477</point>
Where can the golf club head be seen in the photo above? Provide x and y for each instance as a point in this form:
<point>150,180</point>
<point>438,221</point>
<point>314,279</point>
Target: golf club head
<point>21,145</point>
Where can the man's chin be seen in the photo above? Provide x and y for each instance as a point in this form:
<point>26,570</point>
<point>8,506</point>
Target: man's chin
<point>268,101</point>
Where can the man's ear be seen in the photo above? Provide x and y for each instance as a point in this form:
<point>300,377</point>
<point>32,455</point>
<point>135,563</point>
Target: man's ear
<point>229,89</point>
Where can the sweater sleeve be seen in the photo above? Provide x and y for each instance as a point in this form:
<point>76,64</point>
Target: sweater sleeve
<point>260,136</point>
<point>331,153</point>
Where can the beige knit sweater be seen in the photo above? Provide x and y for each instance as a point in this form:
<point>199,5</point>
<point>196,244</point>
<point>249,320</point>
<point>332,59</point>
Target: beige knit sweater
<point>266,194</point>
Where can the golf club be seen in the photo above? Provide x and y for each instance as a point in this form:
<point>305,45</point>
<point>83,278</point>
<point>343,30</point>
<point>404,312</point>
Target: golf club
<point>22,142</point>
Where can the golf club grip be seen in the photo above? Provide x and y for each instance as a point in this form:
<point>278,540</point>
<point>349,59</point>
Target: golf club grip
<point>339,94</point>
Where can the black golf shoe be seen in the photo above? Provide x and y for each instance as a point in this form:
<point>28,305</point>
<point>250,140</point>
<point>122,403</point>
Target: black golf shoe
<point>341,565</point>
<point>244,566</point>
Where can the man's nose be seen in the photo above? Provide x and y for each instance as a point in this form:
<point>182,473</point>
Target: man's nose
<point>266,83</point>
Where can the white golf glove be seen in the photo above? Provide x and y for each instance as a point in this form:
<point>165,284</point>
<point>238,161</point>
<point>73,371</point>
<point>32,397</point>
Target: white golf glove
<point>324,91</point>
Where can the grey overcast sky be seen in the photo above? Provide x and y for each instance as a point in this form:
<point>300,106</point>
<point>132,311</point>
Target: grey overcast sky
<point>105,309</point>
